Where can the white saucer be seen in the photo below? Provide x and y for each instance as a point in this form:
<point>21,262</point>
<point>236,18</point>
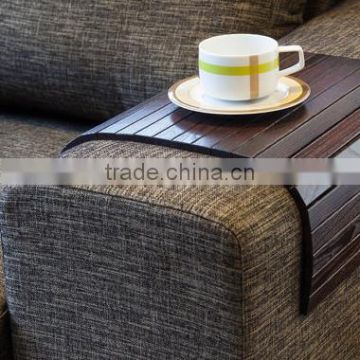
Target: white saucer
<point>188,94</point>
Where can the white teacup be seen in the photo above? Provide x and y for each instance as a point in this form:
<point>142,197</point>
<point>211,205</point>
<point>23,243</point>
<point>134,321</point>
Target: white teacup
<point>243,66</point>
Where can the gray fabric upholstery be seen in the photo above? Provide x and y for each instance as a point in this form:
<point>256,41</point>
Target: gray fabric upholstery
<point>2,283</point>
<point>4,328</point>
<point>29,135</point>
<point>94,58</point>
<point>116,278</point>
<point>23,135</point>
<point>334,33</point>
<point>134,288</point>
<point>5,339</point>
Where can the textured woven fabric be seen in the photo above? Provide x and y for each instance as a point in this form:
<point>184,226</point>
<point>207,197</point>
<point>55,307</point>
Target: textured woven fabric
<point>29,136</point>
<point>2,284</point>
<point>94,58</point>
<point>4,320</point>
<point>165,273</point>
<point>334,33</point>
<point>35,136</point>
<point>5,345</point>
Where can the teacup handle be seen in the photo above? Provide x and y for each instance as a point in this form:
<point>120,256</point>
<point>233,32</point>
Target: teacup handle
<point>294,68</point>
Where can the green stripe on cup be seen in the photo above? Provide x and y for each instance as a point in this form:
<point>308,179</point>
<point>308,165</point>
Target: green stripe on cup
<point>238,70</point>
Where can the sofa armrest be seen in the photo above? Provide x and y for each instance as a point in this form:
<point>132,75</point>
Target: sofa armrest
<point>159,273</point>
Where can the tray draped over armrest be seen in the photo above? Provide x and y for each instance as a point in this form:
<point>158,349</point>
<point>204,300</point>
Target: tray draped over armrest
<point>327,124</point>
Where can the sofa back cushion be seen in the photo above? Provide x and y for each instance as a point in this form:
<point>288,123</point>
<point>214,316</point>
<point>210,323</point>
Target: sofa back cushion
<point>95,58</point>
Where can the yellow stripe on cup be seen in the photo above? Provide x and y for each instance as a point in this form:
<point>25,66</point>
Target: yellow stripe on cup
<point>238,70</point>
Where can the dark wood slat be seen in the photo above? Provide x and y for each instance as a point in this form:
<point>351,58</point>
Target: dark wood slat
<point>134,127</point>
<point>330,202</point>
<point>345,251</point>
<point>320,123</point>
<point>335,222</point>
<point>205,122</point>
<point>179,128</point>
<point>151,107</point>
<point>334,280</point>
<point>326,145</point>
<point>321,98</point>
<point>212,134</point>
<point>328,254</point>
<point>203,128</point>
<point>295,120</point>
<point>164,123</point>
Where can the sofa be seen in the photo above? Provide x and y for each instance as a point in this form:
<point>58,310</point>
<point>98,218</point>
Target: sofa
<point>122,272</point>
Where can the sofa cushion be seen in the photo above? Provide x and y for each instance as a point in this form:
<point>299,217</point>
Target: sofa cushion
<point>95,58</point>
<point>334,33</point>
<point>23,135</point>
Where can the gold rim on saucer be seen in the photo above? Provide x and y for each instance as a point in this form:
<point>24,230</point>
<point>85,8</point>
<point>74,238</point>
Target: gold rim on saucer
<point>187,94</point>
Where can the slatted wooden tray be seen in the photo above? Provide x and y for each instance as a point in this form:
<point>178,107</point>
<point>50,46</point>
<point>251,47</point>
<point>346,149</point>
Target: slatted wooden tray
<point>328,124</point>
